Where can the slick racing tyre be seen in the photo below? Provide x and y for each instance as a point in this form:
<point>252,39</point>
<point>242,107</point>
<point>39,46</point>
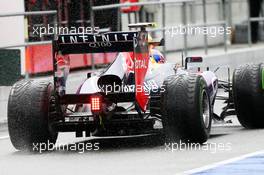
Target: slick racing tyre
<point>248,95</point>
<point>186,109</point>
<point>28,113</point>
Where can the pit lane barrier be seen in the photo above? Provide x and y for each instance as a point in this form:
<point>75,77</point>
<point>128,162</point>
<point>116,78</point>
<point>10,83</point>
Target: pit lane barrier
<point>25,44</point>
<point>164,28</point>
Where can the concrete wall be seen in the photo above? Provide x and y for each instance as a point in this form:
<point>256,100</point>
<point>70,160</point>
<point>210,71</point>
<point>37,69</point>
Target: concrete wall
<point>4,93</point>
<point>233,59</point>
<point>195,16</point>
<point>12,32</point>
<point>12,29</point>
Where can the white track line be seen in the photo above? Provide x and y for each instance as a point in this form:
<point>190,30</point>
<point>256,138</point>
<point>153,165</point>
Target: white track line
<point>4,137</point>
<point>214,165</point>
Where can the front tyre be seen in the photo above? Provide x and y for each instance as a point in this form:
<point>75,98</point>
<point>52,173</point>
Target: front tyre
<point>248,95</point>
<point>186,109</point>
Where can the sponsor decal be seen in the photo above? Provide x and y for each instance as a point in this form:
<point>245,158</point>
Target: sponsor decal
<point>141,60</point>
<point>104,38</point>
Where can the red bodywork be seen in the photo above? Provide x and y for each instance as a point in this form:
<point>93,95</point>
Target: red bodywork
<point>138,63</point>
<point>141,62</point>
<point>140,72</point>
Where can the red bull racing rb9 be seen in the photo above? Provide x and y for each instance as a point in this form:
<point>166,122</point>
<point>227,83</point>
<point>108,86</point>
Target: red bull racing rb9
<point>139,93</point>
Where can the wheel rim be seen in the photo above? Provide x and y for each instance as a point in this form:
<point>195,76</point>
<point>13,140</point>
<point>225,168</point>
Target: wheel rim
<point>205,110</point>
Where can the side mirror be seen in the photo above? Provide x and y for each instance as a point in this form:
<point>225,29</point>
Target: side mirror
<point>162,42</point>
<point>192,60</point>
<point>89,75</point>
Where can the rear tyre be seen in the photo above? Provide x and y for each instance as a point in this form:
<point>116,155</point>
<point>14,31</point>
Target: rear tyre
<point>248,95</point>
<point>186,109</point>
<point>28,115</point>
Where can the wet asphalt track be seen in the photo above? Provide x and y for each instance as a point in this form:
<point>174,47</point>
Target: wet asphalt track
<point>134,155</point>
<point>140,155</point>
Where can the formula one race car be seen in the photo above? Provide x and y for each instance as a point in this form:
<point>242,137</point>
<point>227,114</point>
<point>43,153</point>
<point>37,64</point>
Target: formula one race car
<point>132,96</point>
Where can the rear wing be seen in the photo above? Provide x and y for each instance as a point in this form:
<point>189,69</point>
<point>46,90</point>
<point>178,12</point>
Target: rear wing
<point>97,43</point>
<point>133,41</point>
